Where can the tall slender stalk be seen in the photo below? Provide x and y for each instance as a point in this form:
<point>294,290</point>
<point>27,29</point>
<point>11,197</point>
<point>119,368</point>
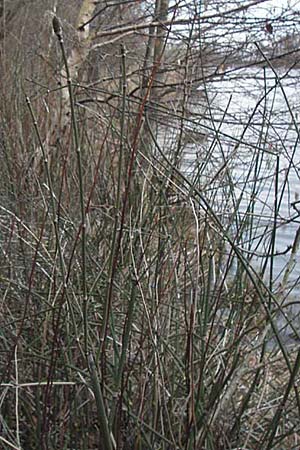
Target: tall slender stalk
<point>59,33</point>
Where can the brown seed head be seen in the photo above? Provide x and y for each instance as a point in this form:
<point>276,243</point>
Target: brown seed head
<point>56,26</point>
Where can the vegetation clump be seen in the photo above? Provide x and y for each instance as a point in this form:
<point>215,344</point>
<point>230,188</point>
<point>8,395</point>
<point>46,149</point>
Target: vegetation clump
<point>139,293</point>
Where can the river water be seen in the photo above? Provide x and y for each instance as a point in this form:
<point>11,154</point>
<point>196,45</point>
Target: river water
<point>249,165</point>
<point>264,170</point>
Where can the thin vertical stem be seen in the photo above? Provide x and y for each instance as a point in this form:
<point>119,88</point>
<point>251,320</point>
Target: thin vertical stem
<point>58,31</point>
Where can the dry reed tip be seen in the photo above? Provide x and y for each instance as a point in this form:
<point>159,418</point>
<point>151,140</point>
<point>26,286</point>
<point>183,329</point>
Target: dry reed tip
<point>56,26</point>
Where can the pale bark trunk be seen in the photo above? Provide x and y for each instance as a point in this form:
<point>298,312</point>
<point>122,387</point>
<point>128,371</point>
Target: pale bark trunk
<point>59,126</point>
<point>162,7</point>
<point>78,54</point>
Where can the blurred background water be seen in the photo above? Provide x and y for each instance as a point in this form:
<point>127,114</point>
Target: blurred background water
<point>248,166</point>
<point>253,108</point>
